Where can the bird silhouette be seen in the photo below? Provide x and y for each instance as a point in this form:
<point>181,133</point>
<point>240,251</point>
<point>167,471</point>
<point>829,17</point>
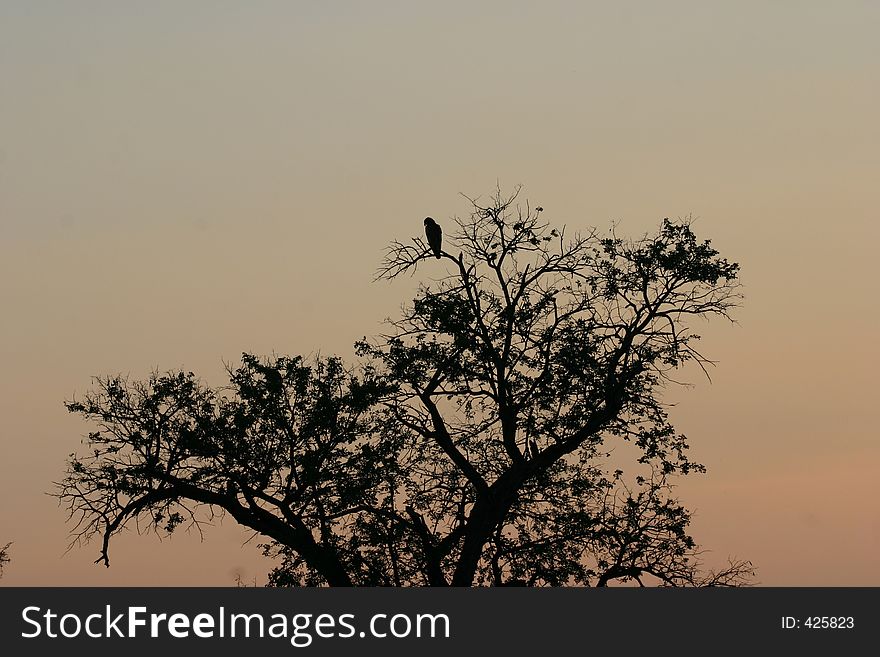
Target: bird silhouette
<point>434,234</point>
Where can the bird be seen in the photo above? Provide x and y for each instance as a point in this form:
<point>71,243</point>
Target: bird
<point>434,234</point>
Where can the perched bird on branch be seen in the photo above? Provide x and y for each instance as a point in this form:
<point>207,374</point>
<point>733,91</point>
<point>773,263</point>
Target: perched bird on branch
<point>434,234</point>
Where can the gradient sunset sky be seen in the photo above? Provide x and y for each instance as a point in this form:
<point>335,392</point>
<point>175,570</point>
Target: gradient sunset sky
<point>184,181</point>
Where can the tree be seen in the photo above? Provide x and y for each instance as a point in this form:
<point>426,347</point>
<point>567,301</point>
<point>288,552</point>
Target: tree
<point>4,557</point>
<point>471,445</point>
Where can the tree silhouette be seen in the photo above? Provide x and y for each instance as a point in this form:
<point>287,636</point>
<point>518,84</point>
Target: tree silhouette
<point>4,557</point>
<point>472,445</point>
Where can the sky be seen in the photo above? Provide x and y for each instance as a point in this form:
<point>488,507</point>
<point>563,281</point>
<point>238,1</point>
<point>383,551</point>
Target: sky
<point>182,182</point>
